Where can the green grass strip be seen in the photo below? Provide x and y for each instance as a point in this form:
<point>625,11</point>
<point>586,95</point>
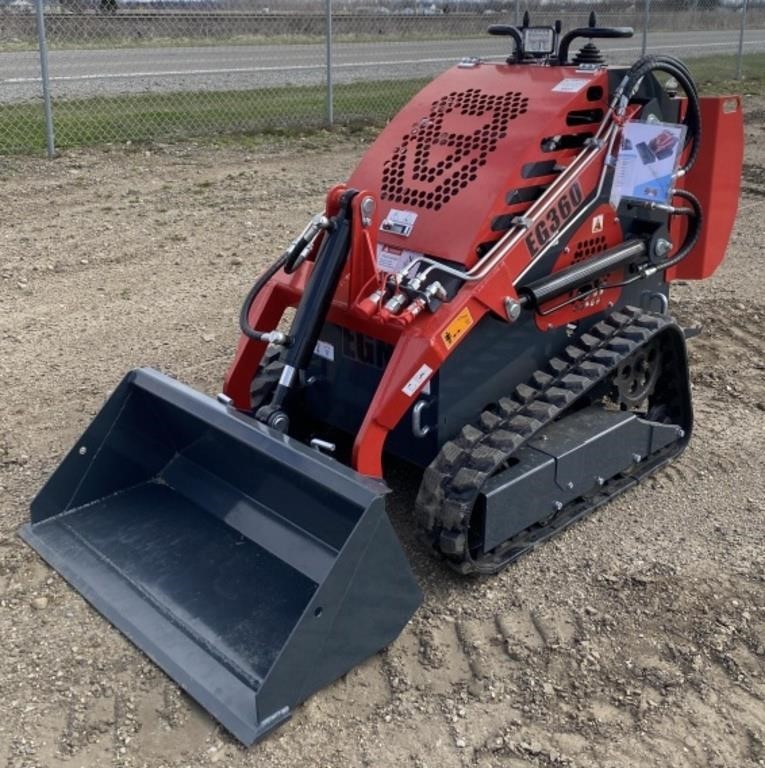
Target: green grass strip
<point>212,114</point>
<point>173,116</point>
<point>716,74</point>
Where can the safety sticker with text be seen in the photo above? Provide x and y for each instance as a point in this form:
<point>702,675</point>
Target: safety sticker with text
<point>419,378</point>
<point>324,350</point>
<point>571,84</point>
<point>457,327</point>
<point>399,222</point>
<point>391,259</point>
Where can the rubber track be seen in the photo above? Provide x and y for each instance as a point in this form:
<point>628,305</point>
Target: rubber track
<point>452,483</point>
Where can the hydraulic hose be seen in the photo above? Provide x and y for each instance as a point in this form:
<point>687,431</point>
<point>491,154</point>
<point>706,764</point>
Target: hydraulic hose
<point>244,314</point>
<point>694,229</point>
<point>680,72</point>
<point>289,261</point>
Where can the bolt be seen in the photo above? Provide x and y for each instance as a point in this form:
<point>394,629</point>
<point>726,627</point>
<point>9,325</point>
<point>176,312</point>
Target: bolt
<point>557,506</point>
<point>279,421</point>
<point>600,480</point>
<point>637,458</point>
<point>680,433</point>
<point>367,210</point>
<point>569,485</point>
<point>512,309</point>
<point>662,247</point>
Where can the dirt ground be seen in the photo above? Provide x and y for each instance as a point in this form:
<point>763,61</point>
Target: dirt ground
<point>637,638</point>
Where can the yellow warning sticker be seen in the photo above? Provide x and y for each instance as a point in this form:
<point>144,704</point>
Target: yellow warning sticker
<point>457,327</point>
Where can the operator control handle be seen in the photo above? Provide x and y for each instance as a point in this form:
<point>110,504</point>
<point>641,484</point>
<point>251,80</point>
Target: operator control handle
<point>591,32</point>
<point>506,30</point>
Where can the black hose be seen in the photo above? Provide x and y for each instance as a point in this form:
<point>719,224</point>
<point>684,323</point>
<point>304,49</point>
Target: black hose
<point>694,229</point>
<point>680,72</point>
<point>244,314</point>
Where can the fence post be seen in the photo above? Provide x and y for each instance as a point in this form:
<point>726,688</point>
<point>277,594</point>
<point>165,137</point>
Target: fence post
<point>740,62</point>
<point>43,46</point>
<point>330,95</point>
<point>646,21</point>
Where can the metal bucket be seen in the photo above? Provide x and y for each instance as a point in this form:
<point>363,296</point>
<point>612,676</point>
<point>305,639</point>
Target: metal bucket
<point>252,569</point>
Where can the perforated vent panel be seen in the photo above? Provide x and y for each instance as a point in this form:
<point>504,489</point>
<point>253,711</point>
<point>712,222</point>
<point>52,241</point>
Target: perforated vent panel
<point>585,250</point>
<point>588,248</point>
<point>415,177</point>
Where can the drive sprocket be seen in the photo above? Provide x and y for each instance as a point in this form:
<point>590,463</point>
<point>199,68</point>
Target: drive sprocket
<point>636,377</point>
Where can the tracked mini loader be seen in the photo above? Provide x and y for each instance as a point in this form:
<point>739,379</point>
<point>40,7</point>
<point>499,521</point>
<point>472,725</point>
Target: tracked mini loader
<point>485,298</point>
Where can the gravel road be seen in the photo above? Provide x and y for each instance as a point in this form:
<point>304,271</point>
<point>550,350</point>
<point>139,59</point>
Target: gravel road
<point>636,638</point>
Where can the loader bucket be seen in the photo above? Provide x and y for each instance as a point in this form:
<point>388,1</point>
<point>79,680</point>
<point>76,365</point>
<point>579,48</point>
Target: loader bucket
<point>252,569</point>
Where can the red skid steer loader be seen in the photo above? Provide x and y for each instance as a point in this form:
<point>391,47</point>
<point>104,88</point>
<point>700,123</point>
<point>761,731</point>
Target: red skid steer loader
<point>485,298</point>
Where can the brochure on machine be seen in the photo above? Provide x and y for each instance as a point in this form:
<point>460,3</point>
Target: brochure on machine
<point>647,161</point>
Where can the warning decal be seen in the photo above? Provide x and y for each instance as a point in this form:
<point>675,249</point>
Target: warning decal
<point>571,85</point>
<point>419,378</point>
<point>456,328</point>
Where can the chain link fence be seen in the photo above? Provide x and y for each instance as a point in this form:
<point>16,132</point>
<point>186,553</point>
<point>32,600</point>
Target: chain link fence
<point>137,70</point>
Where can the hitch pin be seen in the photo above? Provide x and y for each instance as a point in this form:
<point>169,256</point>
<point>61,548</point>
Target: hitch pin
<point>322,445</point>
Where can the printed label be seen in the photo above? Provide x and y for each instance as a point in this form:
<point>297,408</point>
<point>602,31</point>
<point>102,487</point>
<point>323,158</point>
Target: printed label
<point>325,350</point>
<point>647,161</point>
<point>551,221</point>
<point>391,259</point>
<point>457,327</point>
<point>399,222</point>
<point>417,380</point>
<point>571,85</point>
<point>597,224</point>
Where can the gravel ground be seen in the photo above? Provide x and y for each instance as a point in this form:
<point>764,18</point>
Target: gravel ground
<point>636,638</point>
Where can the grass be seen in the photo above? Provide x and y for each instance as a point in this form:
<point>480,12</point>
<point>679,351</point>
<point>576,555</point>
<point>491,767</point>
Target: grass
<point>146,117</point>
<point>716,74</point>
<point>174,116</point>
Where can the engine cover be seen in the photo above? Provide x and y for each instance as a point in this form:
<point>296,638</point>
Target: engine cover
<point>475,148</point>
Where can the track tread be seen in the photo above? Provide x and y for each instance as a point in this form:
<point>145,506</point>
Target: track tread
<point>269,372</point>
<point>454,479</point>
